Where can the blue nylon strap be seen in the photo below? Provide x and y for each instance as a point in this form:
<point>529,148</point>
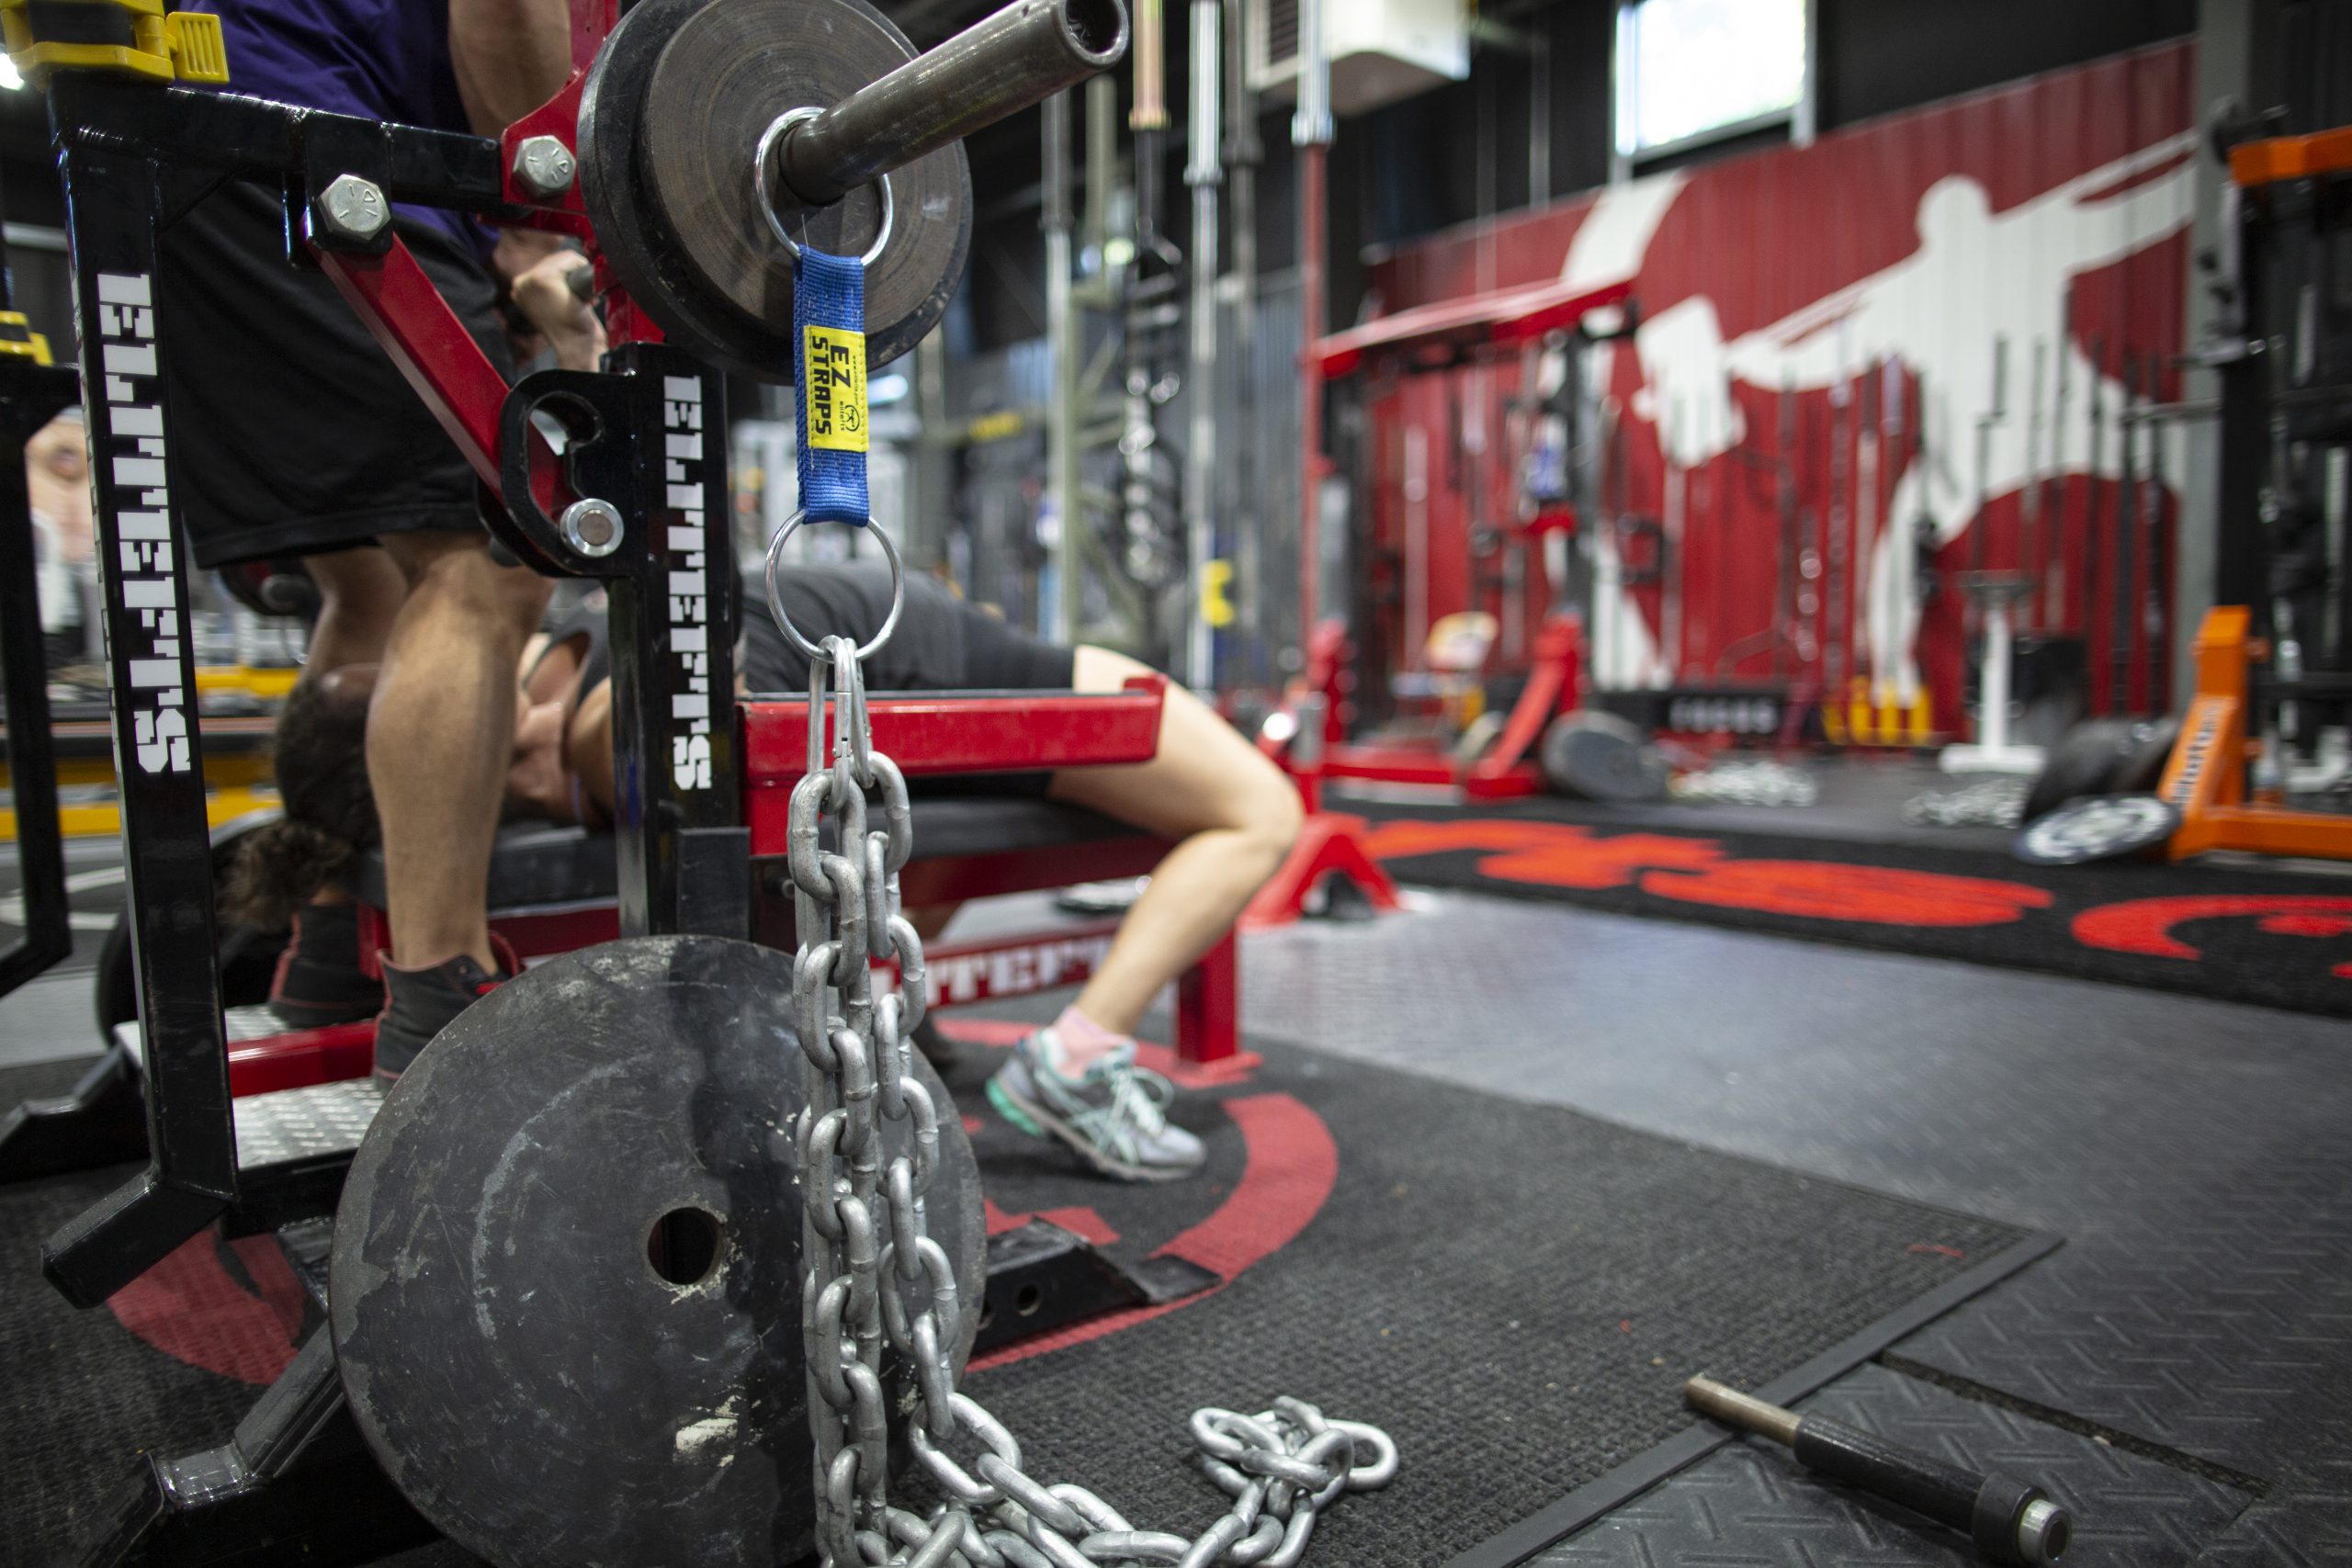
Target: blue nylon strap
<point>829,295</point>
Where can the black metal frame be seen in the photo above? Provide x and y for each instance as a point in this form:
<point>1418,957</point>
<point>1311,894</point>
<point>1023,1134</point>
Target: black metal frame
<point>111,203</point>
<point>639,429</point>
<point>2286,400</point>
<point>648,437</point>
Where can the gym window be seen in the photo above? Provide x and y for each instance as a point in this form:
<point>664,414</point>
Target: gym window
<point>1693,72</point>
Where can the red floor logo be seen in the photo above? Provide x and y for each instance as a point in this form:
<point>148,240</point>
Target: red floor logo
<point>192,1308</point>
<point>2146,925</point>
<point>1290,1164</point>
<point>1699,870</point>
<point>236,1308</point>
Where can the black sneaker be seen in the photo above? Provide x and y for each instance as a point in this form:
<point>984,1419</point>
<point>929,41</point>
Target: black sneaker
<point>419,1003</point>
<point>319,981</point>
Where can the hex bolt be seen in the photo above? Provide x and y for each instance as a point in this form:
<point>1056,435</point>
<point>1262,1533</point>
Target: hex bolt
<point>591,527</point>
<point>543,166</point>
<point>354,208</point>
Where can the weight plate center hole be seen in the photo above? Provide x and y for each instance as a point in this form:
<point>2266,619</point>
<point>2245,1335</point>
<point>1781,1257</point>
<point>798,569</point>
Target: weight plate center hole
<point>685,1245</point>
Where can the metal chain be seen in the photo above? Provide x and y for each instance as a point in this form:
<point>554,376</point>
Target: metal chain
<point>1760,783</point>
<point>863,1238</point>
<point>1991,803</point>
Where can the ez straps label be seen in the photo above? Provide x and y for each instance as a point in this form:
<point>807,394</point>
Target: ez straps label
<point>834,363</point>
<point>829,322</point>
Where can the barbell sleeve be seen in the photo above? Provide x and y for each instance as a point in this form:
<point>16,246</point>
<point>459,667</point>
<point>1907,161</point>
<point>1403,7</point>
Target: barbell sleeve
<point>1021,56</point>
<point>2011,1521</point>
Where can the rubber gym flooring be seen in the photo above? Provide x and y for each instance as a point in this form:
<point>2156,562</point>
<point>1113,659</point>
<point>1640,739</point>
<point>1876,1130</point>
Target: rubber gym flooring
<point>2247,933</point>
<point>2178,1371</point>
<point>1460,1268</point>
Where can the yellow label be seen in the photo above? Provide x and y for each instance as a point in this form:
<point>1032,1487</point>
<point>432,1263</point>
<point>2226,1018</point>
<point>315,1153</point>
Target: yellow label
<point>833,378</point>
<point>1215,608</point>
<point>995,426</point>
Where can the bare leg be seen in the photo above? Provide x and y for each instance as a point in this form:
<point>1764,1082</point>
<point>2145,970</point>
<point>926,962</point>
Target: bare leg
<point>1235,812</point>
<point>360,593</point>
<point>440,733</point>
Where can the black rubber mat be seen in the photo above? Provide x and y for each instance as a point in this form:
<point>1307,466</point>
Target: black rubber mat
<point>81,1392</point>
<point>1514,1291</point>
<point>2245,934</point>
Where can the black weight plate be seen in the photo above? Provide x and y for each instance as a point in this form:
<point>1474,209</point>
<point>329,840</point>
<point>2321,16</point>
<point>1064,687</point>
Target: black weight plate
<point>670,118</point>
<point>1597,756</point>
<point>2079,764</point>
<point>2142,767</point>
<point>2098,826</point>
<point>518,1366</point>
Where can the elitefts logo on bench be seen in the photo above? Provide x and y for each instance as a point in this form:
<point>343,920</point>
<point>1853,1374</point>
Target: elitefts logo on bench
<point>148,577</point>
<point>689,595</point>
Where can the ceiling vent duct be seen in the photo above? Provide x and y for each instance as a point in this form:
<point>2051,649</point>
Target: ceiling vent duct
<point>1380,49</point>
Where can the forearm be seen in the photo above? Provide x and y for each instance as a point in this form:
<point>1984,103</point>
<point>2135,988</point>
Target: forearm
<point>509,57</point>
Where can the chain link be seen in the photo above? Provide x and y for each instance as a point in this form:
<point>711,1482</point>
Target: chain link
<point>1759,783</point>
<point>1991,803</point>
<point>864,1239</point>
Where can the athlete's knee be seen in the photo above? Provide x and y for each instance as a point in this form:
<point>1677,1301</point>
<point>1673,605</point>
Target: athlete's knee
<point>1277,814</point>
<point>523,597</point>
<point>458,568</point>
<point>1262,810</point>
<point>357,583</point>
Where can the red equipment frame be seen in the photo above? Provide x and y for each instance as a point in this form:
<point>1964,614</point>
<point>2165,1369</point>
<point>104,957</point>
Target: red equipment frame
<point>1436,337</point>
<point>1444,333</point>
<point>928,735</point>
<point>1453,330</point>
<point>1555,685</point>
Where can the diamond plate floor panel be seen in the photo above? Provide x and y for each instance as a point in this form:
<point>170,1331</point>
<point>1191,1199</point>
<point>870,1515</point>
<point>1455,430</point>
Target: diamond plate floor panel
<point>287,1125</point>
<point>2305,1531</point>
<point>2189,1150</point>
<point>1753,1506</point>
<point>2209,1309</point>
<point>305,1124</point>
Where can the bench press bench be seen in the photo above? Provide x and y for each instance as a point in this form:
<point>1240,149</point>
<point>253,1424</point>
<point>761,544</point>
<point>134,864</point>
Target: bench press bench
<point>303,1096</point>
<point>301,1100</point>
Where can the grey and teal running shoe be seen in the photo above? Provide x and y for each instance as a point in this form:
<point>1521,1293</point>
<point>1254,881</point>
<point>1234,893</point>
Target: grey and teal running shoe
<point>1115,1114</point>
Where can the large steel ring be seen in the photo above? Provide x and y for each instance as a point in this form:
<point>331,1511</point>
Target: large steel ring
<point>784,622</point>
<point>669,115</point>
<point>763,193</point>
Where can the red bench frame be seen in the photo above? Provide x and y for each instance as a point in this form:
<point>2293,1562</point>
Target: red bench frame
<point>928,736</point>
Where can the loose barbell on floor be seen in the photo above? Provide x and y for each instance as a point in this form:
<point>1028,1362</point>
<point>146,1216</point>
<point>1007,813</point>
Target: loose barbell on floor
<point>2011,1521</point>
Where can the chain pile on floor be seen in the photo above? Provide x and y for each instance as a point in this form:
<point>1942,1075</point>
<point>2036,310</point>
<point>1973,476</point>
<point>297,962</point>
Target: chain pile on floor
<point>1759,783</point>
<point>1993,803</point>
<point>865,1238</point>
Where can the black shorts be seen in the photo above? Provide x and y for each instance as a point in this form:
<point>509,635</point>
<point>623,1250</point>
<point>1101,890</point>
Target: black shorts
<point>942,644</point>
<point>291,432</point>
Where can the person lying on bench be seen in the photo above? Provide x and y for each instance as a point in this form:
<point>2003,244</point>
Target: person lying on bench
<point>1232,812</point>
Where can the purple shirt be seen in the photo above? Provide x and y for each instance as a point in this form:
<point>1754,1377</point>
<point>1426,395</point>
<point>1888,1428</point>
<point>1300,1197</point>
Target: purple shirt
<point>385,60</point>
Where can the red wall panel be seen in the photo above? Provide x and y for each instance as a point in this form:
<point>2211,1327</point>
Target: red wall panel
<point>1827,318</point>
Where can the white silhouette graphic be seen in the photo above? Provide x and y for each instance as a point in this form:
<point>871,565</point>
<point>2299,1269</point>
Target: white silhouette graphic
<point>1976,276</point>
